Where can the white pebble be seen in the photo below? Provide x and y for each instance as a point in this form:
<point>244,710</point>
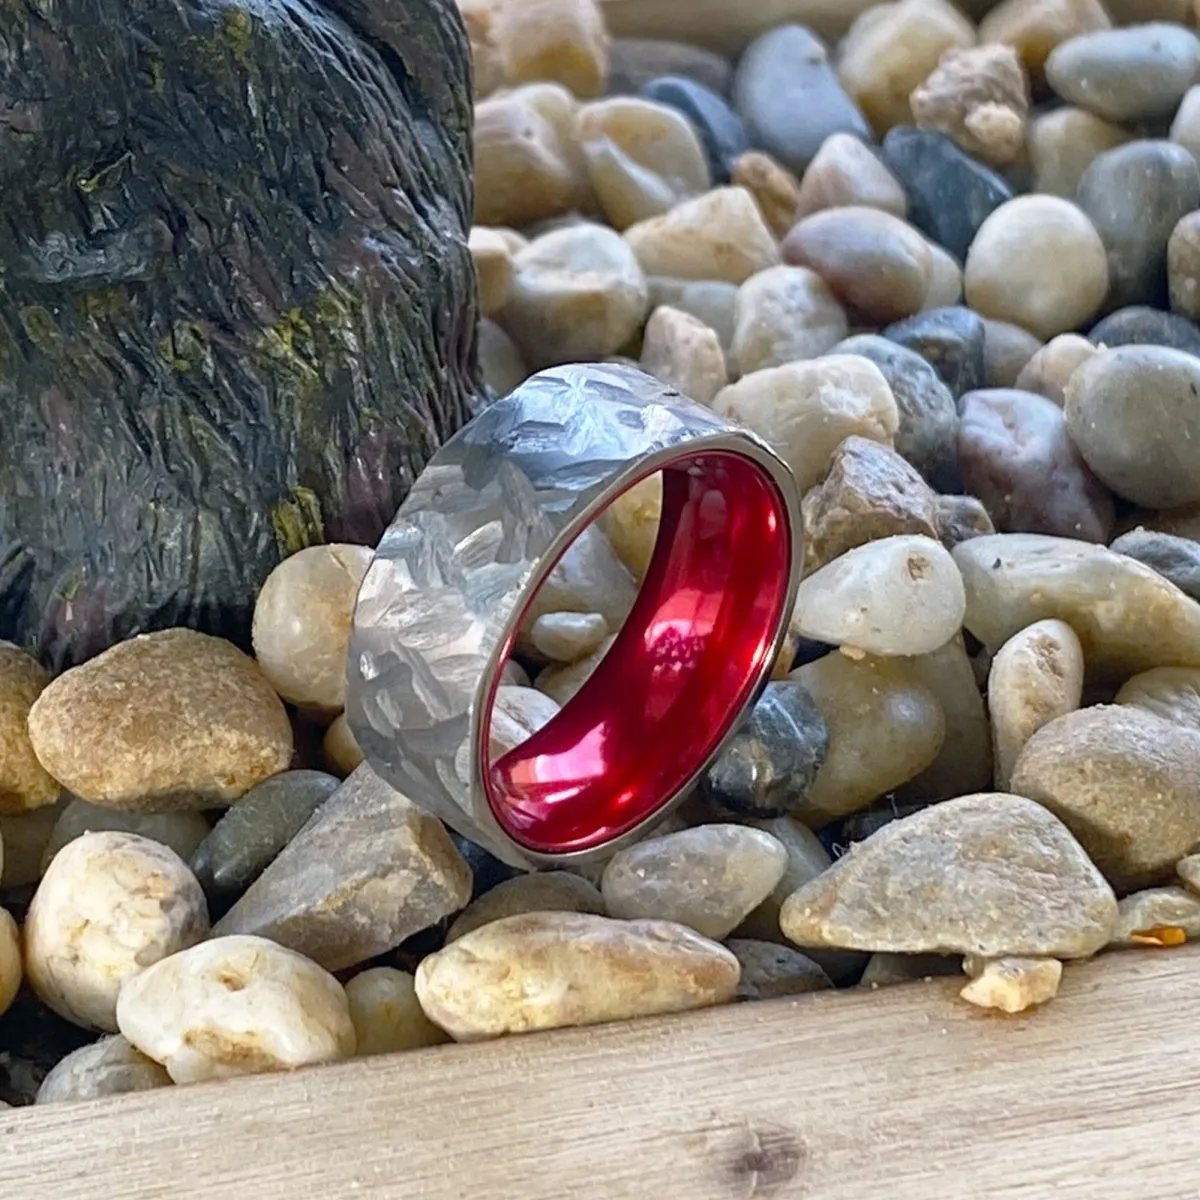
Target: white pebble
<point>568,637</point>
<point>109,1067</point>
<point>387,1015</point>
<point>1011,984</point>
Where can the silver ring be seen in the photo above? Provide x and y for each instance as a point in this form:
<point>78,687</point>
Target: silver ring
<point>443,599</point>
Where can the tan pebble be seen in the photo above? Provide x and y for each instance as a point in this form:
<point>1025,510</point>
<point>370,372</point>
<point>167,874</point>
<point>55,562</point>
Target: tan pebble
<point>109,1067</point>
<point>339,749</point>
<point>720,235</point>
<point>1035,677</point>
<point>386,1014</point>
<point>10,959</point>
<point>25,784</point>
<point>1007,350</point>
<point>1064,142</point>
<point>236,1006</point>
<point>1012,984</point>
<point>560,683</point>
<point>631,522</point>
<point>23,839</point>
<point>1183,266</point>
<point>1038,262</point>
<point>544,891</point>
<point>518,713</point>
<point>1048,371</point>
<point>1188,870</point>
<point>643,158</point>
<point>684,353</point>
<point>567,637</point>
<point>846,172</point>
<point>784,315</point>
<point>1034,27</point>
<point>109,905</point>
<point>479,18</point>
<point>178,831</point>
<point>1158,917</point>
<point>549,970</point>
<point>559,40</point>
<point>945,280</point>
<point>807,409</point>
<point>770,970</point>
<point>877,265</point>
<point>500,360</point>
<point>493,268</point>
<point>887,970</point>
<point>891,49</point>
<point>1185,128</point>
<point>302,623</point>
<point>979,97</point>
<point>775,189</point>
<point>1172,693</point>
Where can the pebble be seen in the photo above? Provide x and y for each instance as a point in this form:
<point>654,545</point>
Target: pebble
<point>578,294</point>
<point>23,840</point>
<point>683,352</point>
<point>589,578</point>
<point>1188,870</point>
<point>1016,456</point>
<point>500,362</point>
<point>888,970</point>
<point>479,18</point>
<point>493,261</point>
<point>1185,128</point>
<point>1163,916</point>
<point>784,315</point>
<point>1127,616</point>
<point>979,97</point>
<point>369,870</point>
<point>709,878</point>
<point>847,172</point>
<point>928,431</point>
<point>10,960</point>
<point>720,235</point>
<point>634,62</point>
<point>1034,27</point>
<point>805,410</point>
<point>563,41</point>
<point>567,637</point>
<point>109,1067</point>
<point>769,764</point>
<point>891,49</point>
<point>1172,693</point>
<point>916,887</point>
<point>236,1006</point>
<point>1007,350</point>
<point>631,523</point>
<point>108,906</point>
<point>901,595</point>
<point>806,859</point>
<point>878,266</point>
<point>1133,74</point>
<point>1035,677</point>
<point>785,72</point>
<point>1135,195</point>
<point>561,683</point>
<point>24,783</point>
<point>1063,143</point>
<point>721,131</point>
<point>1143,326</point>
<point>1175,558</point>
<point>1125,781</point>
<point>951,341</point>
<point>960,518</point>
<point>708,300</point>
<point>387,1015</point>
<point>339,749</point>
<point>775,189</point>
<point>165,721</point>
<point>1183,266</point>
<point>543,891</point>
<point>1037,261</point>
<point>549,970</point>
<point>770,971</point>
<point>870,492</point>
<point>884,729</point>
<point>945,280</point>
<point>1047,372</point>
<point>179,831</point>
<point>1147,453</point>
<point>1013,983</point>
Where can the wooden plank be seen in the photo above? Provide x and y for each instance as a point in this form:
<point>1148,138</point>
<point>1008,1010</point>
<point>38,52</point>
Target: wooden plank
<point>905,1093</point>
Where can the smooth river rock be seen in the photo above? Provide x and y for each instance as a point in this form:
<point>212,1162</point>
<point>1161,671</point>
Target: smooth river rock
<point>542,891</point>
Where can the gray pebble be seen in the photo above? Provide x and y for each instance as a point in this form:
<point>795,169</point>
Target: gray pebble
<point>1142,326</point>
<point>951,340</point>
<point>770,970</point>
<point>1176,559</point>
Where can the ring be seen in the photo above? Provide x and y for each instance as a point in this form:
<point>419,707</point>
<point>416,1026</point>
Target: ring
<point>442,602</point>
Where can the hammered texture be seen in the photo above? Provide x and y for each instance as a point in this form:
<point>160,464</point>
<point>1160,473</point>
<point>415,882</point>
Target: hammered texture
<point>478,532</point>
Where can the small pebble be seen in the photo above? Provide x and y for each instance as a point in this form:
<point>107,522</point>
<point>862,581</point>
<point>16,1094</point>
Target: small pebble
<point>1185,128</point>
<point>1037,261</point>
<point>567,637</point>
<point>775,189</point>
<point>709,878</point>
<point>236,1006</point>
<point>785,72</point>
<point>1183,266</point>
<point>1133,74</point>
<point>10,960</point>
<point>387,1015</point>
<point>1035,677</point>
<point>500,362</point>
<point>339,749</point>
<point>549,970</point>
<point>945,280</point>
<point>631,522</point>
<point>1125,781</point>
<point>518,713</point>
<point>543,891</point>
<point>634,62</point>
<point>806,859</point>
<point>1162,916</point>
<point>951,340</point>
<point>721,131</point>
<point>769,764</point>
<point>589,578</point>
<point>108,906</point>
<point>493,261</point>
<point>1174,558</point>
<point>708,300</point>
<point>109,1067</point>
<point>1143,326</point>
<point>846,172</point>
<point>1034,27</point>
<point>784,315</point>
<point>683,352</point>
<point>770,971</point>
<point>24,783</point>
<point>1011,984</point>
<point>1172,693</point>
<point>887,970</point>
<point>720,235</point>
<point>179,831</point>
<point>563,41</point>
<point>1047,372</point>
<point>960,518</point>
<point>1007,350</point>
<point>1063,143</point>
<point>916,887</point>
<point>1188,870</point>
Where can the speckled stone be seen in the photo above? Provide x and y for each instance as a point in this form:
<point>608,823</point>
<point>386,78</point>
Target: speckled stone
<point>1143,326</point>
<point>949,339</point>
<point>1176,559</point>
<point>721,131</point>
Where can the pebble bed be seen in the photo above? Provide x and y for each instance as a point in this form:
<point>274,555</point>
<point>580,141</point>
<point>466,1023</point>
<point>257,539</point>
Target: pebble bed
<point>946,260</point>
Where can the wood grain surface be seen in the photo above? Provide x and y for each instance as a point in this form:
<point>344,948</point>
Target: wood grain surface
<point>904,1094</point>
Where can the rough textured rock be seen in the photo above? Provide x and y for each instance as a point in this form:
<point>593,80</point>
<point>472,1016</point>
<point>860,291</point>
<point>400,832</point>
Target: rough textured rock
<point>770,970</point>
<point>784,315</point>
<point>174,719</point>
<point>368,871</point>
<point>1125,781</point>
<point>990,874</point>
<point>24,783</point>
<point>1164,916</point>
<point>1011,984</point>
<point>284,284</point>
<point>547,970</point>
<point>544,891</point>
<point>1172,693</point>
<point>109,1067</point>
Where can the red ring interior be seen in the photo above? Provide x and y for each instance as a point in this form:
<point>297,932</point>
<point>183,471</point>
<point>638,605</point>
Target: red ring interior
<point>686,660</point>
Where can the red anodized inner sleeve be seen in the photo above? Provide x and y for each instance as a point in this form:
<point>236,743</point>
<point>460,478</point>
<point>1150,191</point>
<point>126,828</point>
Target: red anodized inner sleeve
<point>678,675</point>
